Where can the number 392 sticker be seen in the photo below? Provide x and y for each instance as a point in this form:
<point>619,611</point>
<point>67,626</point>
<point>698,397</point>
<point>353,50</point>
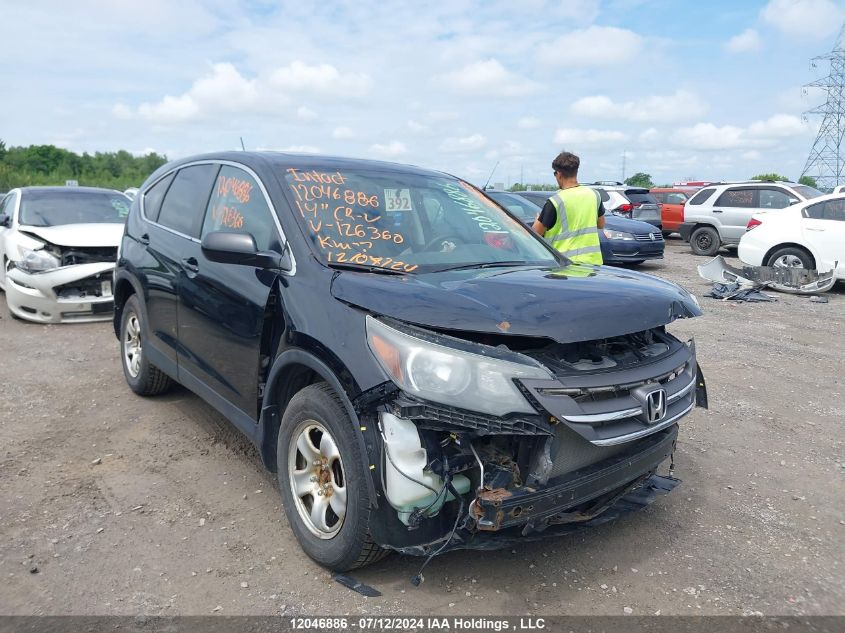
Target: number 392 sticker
<point>398,199</point>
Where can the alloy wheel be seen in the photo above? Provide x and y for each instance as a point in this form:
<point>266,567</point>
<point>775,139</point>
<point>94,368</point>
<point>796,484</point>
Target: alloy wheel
<point>132,346</point>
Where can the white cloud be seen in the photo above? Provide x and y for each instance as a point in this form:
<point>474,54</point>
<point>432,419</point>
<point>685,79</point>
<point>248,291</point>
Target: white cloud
<point>810,18</point>
<point>675,107</point>
<point>487,78</point>
<point>649,136</point>
<point>389,150</point>
<point>224,89</point>
<point>528,123</point>
<point>416,127</point>
<point>588,137</point>
<point>593,46</point>
<point>767,133</point>
<point>471,143</point>
<point>748,40</point>
<point>583,10</point>
<point>342,132</point>
<point>321,79</point>
<point>305,114</point>
<point>777,126</point>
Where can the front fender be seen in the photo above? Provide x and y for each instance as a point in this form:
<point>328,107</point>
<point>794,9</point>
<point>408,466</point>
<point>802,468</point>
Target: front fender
<point>271,414</point>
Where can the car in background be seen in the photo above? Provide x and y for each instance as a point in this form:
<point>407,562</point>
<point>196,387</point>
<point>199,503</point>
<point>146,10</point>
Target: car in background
<point>672,201</point>
<point>524,209</point>
<point>838,189</point>
<point>718,214</point>
<point>809,235</point>
<point>634,203</point>
<point>131,192</point>
<point>58,247</point>
<point>623,241</point>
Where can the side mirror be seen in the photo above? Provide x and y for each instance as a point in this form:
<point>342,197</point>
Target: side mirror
<point>229,247</point>
<point>5,220</point>
<point>793,201</point>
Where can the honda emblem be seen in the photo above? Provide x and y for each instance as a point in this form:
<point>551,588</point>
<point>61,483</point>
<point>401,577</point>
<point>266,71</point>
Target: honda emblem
<point>655,406</point>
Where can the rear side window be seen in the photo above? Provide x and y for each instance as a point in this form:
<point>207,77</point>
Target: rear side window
<point>639,196</point>
<point>701,196</point>
<point>741,198</point>
<point>187,198</point>
<point>828,210</point>
<point>773,199</point>
<point>675,197</point>
<point>238,204</point>
<point>154,196</point>
<point>604,195</point>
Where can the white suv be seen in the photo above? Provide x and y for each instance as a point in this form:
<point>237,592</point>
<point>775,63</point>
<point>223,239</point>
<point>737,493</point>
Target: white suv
<point>635,203</point>
<point>718,214</point>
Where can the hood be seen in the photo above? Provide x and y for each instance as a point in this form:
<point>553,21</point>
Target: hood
<point>616,223</point>
<point>78,235</point>
<point>569,304</point>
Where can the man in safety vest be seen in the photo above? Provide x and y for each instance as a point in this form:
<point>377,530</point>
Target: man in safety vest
<point>572,217</point>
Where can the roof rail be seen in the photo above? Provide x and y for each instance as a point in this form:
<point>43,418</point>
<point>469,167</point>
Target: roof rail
<point>608,183</point>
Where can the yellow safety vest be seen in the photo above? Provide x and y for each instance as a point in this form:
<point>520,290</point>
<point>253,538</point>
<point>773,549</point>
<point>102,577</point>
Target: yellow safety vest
<point>575,233</point>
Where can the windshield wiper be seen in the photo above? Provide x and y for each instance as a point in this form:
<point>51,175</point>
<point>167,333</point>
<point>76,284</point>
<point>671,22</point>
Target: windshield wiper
<point>485,265</point>
<point>366,268</point>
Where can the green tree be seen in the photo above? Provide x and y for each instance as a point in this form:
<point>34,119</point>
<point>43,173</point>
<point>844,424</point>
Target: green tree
<point>809,181</point>
<point>51,165</point>
<point>640,179</point>
<point>772,176</point>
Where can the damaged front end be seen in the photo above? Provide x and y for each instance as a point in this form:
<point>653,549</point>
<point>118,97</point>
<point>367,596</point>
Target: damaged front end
<point>521,441</point>
<point>783,279</point>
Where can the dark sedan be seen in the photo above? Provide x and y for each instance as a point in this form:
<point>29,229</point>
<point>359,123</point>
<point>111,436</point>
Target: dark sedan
<point>623,241</point>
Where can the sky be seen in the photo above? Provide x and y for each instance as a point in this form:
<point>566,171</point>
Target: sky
<point>682,89</point>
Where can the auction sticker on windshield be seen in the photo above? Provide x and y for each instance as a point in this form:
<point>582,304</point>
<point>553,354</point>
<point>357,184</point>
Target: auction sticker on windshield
<point>398,199</point>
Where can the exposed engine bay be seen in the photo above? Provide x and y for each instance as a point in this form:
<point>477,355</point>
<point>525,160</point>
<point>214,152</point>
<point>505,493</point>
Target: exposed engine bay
<point>595,438</point>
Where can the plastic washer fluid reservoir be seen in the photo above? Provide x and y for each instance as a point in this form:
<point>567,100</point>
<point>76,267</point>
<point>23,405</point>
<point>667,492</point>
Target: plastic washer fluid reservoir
<point>402,443</point>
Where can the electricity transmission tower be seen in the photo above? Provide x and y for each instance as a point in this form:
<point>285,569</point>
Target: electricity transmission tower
<point>826,162</point>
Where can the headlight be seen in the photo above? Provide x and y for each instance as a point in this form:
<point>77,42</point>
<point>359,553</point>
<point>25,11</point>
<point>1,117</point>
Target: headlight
<point>36,261</point>
<point>450,376</point>
<point>617,235</point>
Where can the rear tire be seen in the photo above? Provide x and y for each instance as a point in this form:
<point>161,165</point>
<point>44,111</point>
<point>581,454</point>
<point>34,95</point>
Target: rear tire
<point>791,257</point>
<point>143,377</point>
<point>320,471</point>
<point>705,241</point>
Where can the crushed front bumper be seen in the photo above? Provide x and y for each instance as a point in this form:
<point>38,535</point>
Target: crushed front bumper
<point>77,293</point>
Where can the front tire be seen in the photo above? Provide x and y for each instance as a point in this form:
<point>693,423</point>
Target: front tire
<point>791,257</point>
<point>705,241</point>
<point>142,376</point>
<point>322,481</point>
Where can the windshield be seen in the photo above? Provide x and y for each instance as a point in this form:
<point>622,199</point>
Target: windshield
<point>407,222</point>
<point>519,206</point>
<point>52,208</point>
<point>808,192</point>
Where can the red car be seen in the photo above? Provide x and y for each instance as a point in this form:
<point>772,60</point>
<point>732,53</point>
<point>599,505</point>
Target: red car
<point>672,201</point>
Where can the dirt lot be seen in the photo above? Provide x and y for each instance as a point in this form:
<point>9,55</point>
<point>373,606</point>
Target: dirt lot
<point>114,504</point>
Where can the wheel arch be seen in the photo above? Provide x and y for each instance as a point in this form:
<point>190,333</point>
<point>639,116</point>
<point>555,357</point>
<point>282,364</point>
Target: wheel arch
<point>293,370</point>
<point>124,287</point>
<point>801,247</point>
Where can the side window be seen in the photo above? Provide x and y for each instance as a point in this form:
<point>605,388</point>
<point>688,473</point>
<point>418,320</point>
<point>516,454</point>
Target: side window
<point>742,198</point>
<point>6,206</point>
<point>675,198</point>
<point>604,195</point>
<point>701,196</point>
<point>187,198</point>
<point>773,199</point>
<point>237,204</point>
<point>829,210</point>
<point>660,196</point>
<point>153,197</point>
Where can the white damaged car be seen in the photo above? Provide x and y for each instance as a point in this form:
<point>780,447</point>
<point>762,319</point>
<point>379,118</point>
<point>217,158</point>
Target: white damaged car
<point>58,247</point>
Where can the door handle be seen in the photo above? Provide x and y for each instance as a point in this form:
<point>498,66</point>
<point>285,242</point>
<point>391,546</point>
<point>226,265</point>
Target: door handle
<point>818,230</point>
<point>717,210</point>
<point>144,239</point>
<point>191,265</point>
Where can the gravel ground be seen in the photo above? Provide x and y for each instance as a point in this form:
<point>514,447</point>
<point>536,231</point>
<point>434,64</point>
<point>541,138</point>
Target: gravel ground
<point>115,504</point>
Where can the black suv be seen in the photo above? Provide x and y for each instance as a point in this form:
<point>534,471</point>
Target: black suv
<point>422,371</point>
